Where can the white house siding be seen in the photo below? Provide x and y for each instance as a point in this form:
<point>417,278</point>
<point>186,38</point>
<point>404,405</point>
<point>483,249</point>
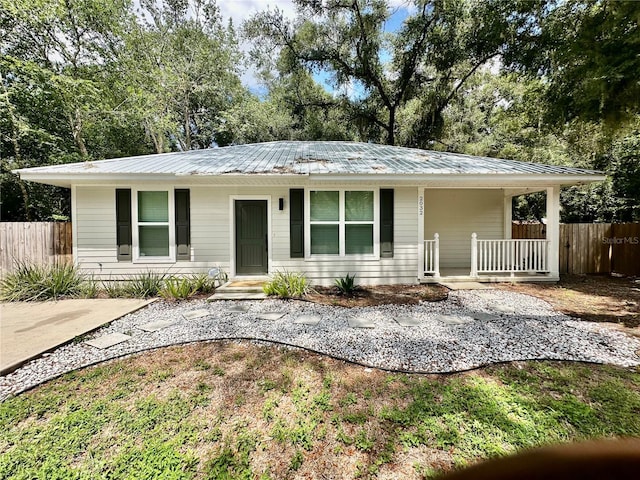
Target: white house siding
<point>455,214</point>
<point>96,253</point>
<point>402,268</point>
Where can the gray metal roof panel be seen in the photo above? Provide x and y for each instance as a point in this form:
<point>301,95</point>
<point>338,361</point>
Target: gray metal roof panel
<point>305,158</point>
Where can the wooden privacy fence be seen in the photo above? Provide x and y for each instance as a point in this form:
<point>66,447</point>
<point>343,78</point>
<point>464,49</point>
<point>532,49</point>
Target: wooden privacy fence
<point>34,242</point>
<point>592,247</point>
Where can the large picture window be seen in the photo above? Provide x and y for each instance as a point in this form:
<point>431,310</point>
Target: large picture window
<point>342,222</point>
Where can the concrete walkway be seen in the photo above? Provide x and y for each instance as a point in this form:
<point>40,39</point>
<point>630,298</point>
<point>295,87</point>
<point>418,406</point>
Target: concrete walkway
<point>29,329</point>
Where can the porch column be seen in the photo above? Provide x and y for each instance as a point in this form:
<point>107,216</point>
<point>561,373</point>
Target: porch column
<point>420,233</point>
<point>508,215</point>
<point>553,229</point>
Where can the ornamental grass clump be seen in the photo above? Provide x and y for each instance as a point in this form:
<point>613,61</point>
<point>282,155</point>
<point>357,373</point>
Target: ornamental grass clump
<point>29,282</point>
<point>176,288</point>
<point>346,285</point>
<point>287,285</point>
<point>144,285</point>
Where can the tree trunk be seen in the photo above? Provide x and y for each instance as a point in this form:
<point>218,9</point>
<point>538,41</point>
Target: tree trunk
<point>391,128</point>
<point>187,126</point>
<point>75,122</point>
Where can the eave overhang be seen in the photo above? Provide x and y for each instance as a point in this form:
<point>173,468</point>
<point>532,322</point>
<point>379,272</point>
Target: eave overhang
<point>434,180</point>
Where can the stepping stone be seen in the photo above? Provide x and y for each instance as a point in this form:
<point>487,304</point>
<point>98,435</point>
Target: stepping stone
<point>408,321</point>
<point>107,341</point>
<point>193,314</point>
<point>238,309</point>
<point>454,319</point>
<point>308,319</point>
<point>270,315</point>
<point>485,317</point>
<point>155,326</point>
<point>361,322</point>
<point>506,309</point>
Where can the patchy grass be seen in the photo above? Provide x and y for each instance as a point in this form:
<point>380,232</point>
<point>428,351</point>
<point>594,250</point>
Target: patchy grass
<point>596,298</point>
<point>228,410</point>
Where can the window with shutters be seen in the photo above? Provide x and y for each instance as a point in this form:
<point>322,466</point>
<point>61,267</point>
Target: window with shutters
<point>154,226</point>
<point>342,223</point>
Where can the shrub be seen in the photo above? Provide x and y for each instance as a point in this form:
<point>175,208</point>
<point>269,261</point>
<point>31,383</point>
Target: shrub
<point>346,285</point>
<point>114,289</point>
<point>41,282</point>
<point>145,285</point>
<point>202,283</point>
<point>175,288</point>
<point>287,285</point>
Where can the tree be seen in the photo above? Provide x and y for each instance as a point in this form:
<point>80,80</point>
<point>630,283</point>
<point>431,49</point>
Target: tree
<point>182,65</point>
<point>58,101</point>
<point>429,59</point>
<point>589,56</point>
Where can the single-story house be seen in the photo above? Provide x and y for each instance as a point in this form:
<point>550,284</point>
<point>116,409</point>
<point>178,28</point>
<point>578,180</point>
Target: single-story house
<point>387,214</point>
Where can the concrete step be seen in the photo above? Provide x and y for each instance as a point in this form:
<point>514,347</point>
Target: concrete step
<point>239,286</point>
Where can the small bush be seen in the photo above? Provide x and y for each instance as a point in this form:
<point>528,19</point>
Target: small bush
<point>202,283</point>
<point>88,289</point>
<point>114,289</point>
<point>175,288</point>
<point>346,285</point>
<point>145,285</point>
<point>287,285</point>
<point>41,282</point>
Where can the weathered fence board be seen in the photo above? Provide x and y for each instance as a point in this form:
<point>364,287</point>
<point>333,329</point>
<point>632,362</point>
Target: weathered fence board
<point>625,248</point>
<point>34,242</point>
<point>592,247</point>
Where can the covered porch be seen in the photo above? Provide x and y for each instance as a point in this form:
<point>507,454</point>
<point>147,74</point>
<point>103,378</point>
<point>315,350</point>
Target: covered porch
<point>465,235</point>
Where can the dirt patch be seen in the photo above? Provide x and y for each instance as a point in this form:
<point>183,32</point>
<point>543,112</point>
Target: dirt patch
<point>596,298</point>
<point>379,295</point>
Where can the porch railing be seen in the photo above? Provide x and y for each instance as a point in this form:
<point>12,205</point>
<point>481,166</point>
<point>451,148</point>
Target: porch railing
<point>511,256</point>
<point>432,256</point>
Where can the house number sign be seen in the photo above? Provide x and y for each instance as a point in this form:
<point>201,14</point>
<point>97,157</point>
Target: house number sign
<point>420,205</point>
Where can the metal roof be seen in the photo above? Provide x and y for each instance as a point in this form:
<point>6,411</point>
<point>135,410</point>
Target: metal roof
<point>307,158</point>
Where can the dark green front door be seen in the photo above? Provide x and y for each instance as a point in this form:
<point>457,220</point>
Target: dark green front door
<point>251,237</point>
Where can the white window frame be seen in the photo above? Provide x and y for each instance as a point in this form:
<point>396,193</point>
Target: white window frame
<point>341,224</point>
<point>135,234</point>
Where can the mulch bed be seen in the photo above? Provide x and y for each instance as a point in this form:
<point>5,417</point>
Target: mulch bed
<point>596,298</point>
<point>379,295</point>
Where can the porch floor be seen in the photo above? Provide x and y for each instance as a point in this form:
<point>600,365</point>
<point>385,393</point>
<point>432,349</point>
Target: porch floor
<point>452,275</point>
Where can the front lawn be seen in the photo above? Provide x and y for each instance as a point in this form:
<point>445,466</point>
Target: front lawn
<point>228,410</point>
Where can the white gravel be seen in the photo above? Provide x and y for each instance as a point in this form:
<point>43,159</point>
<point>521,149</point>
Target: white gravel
<point>535,331</point>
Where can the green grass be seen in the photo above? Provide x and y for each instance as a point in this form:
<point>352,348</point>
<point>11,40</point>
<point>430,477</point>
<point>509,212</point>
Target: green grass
<point>276,414</point>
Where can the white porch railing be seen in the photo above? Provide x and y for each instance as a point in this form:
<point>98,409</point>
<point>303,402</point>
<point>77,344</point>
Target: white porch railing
<point>432,256</point>
<point>512,256</point>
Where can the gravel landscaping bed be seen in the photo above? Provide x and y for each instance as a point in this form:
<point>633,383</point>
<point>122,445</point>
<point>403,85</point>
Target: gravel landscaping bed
<point>470,329</point>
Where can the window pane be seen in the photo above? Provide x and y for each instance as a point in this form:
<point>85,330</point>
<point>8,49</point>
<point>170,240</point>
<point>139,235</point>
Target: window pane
<point>359,239</point>
<point>358,206</point>
<point>153,206</point>
<point>325,206</point>
<point>324,239</point>
<point>154,241</point>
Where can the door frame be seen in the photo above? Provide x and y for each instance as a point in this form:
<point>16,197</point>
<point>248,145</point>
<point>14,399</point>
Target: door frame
<point>232,225</point>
